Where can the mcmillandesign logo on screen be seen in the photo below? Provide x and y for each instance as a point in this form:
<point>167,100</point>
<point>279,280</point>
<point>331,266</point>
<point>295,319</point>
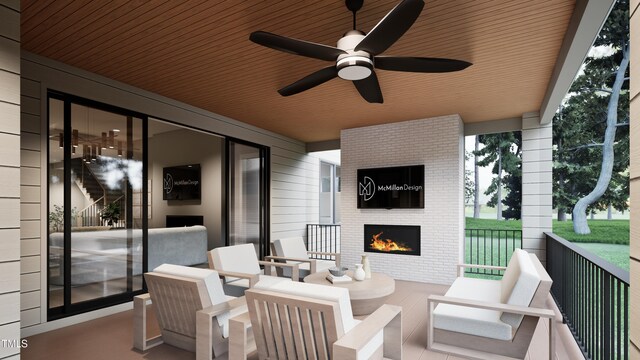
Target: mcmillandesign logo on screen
<point>366,188</point>
<point>168,183</point>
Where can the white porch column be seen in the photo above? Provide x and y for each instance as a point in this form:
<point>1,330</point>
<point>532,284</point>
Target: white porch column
<point>9,179</point>
<point>536,183</point>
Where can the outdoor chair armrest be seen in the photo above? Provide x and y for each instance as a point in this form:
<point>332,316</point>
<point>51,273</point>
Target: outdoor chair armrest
<point>387,317</point>
<point>241,342</point>
<point>215,310</point>
<point>335,255</point>
<point>512,309</point>
<point>253,278</point>
<point>140,308</point>
<point>312,262</point>
<point>461,267</point>
<point>295,268</point>
<point>204,326</point>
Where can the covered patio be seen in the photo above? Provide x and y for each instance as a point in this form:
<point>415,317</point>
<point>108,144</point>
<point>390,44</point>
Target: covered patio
<point>90,337</point>
<point>191,64</point>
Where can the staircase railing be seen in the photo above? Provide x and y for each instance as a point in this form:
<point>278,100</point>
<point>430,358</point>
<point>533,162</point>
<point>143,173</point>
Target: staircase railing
<point>91,214</point>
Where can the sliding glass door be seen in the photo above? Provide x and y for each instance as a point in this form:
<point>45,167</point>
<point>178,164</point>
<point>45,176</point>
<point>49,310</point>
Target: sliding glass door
<point>96,176</point>
<point>247,203</point>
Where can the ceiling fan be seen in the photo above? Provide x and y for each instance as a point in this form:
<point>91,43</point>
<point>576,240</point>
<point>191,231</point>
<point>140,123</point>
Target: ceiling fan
<point>356,54</point>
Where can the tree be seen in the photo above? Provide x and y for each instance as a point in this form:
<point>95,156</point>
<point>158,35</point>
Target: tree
<point>605,78</point>
<point>469,186</point>
<point>504,152</point>
<point>476,179</point>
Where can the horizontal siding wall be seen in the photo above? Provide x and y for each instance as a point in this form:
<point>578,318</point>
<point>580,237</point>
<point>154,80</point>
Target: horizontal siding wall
<point>32,255</point>
<point>294,192</point>
<point>294,173</point>
<point>536,184</point>
<point>9,177</point>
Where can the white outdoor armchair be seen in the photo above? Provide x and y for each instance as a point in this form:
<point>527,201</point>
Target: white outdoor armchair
<point>293,251</point>
<point>191,309</point>
<point>492,319</point>
<point>309,321</point>
<point>240,268</point>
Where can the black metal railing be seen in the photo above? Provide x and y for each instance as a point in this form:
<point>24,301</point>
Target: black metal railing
<point>490,247</point>
<point>323,238</point>
<point>593,298</point>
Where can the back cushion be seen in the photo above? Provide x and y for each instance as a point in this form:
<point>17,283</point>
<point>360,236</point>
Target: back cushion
<point>237,258</point>
<point>291,248</point>
<point>315,291</point>
<point>210,278</point>
<point>519,285</point>
<point>211,282</point>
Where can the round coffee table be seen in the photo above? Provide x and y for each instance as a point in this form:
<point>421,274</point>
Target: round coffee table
<point>366,296</point>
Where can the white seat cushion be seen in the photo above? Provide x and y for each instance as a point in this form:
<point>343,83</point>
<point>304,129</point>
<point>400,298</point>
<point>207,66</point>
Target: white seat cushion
<point>214,289</point>
<point>469,320</point>
<point>210,278</point>
<point>315,291</point>
<point>329,293</point>
<point>236,258</point>
<point>292,247</point>
<point>519,284</point>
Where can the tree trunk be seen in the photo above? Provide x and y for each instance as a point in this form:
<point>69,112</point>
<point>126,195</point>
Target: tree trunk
<point>562,215</point>
<point>476,181</point>
<point>499,189</point>
<point>580,225</point>
<point>609,212</point>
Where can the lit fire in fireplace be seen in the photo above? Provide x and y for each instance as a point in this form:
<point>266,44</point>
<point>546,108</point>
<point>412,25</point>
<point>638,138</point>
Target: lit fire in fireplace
<point>386,245</point>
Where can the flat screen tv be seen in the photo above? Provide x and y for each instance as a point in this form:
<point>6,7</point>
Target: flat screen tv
<point>181,182</point>
<point>399,187</point>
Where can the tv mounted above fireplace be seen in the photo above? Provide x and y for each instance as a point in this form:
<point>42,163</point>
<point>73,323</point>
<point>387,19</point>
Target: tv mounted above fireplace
<point>400,187</point>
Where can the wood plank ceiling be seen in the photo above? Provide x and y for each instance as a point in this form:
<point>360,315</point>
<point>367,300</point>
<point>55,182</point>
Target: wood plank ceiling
<point>198,52</point>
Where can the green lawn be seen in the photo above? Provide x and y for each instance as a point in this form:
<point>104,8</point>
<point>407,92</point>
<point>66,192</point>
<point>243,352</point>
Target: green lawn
<point>614,253</point>
<point>602,231</point>
<point>609,239</point>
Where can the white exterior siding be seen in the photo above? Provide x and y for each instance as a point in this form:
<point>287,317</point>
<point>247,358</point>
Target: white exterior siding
<point>9,173</point>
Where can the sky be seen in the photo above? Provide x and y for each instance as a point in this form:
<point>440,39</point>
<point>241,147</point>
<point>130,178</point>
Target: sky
<point>485,172</point>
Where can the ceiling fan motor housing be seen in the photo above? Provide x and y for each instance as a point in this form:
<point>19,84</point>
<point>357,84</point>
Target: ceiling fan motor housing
<point>354,65</point>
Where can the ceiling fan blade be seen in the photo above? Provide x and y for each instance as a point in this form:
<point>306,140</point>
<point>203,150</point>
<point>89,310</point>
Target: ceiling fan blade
<point>309,81</point>
<point>295,46</point>
<point>419,64</point>
<point>369,88</point>
<point>391,27</point>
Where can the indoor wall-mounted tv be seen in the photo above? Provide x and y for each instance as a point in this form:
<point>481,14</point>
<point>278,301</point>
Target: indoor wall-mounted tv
<point>181,182</point>
<point>400,187</point>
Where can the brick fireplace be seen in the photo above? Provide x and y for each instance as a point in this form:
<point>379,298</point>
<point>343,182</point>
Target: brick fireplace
<point>436,143</point>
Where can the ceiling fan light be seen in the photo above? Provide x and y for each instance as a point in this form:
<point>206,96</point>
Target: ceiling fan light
<point>354,67</point>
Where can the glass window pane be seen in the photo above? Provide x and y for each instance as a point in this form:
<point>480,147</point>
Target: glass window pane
<point>56,203</point>
<point>106,240</point>
<point>244,197</point>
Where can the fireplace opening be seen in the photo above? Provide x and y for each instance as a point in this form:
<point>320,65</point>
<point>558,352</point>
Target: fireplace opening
<point>392,239</point>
